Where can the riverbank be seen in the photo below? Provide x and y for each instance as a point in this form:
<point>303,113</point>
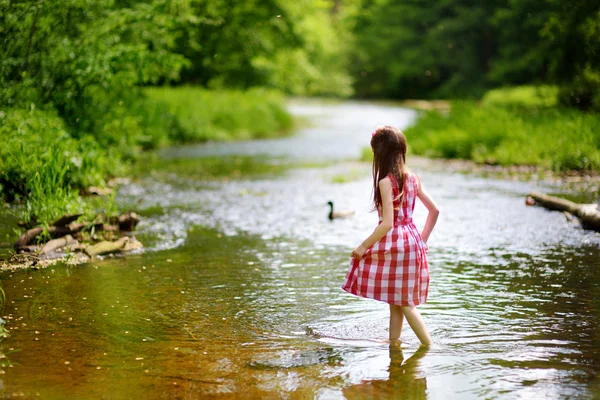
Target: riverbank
<point>50,169</point>
<point>49,166</point>
<point>552,139</point>
<point>519,131</point>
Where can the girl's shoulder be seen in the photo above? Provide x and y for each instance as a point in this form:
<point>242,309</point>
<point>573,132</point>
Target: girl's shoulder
<point>412,175</point>
<point>386,180</point>
<point>414,179</point>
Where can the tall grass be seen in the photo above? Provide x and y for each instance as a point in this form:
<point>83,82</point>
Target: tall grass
<point>46,163</point>
<point>204,115</point>
<point>557,139</point>
<point>49,193</point>
<point>128,121</point>
<point>43,166</point>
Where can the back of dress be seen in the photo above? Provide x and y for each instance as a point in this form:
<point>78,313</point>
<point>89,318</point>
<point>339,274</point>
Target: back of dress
<point>403,207</point>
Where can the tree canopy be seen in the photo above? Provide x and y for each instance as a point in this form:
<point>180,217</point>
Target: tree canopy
<point>62,53</point>
<point>457,48</point>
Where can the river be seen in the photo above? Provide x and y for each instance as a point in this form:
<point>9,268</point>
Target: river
<point>237,294</point>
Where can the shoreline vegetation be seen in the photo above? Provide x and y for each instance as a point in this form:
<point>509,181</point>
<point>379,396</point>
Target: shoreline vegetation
<point>49,172</point>
<point>54,173</point>
<point>86,88</point>
<point>520,130</point>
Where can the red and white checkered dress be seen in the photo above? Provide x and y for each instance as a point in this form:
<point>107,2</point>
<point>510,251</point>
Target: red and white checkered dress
<point>394,270</point>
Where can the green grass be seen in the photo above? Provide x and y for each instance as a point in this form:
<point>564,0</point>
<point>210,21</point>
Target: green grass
<point>204,115</point>
<point>523,96</point>
<point>45,163</point>
<point>44,167</point>
<point>366,154</point>
<point>552,138</point>
<point>348,176</point>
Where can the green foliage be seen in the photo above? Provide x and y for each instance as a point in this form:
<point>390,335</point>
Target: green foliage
<point>298,48</point>
<point>48,194</point>
<point>522,96</point>
<point>52,52</point>
<point>129,120</point>
<point>230,36</point>
<point>366,154</point>
<point>558,139</point>
<point>224,115</point>
<point>419,49</point>
<point>572,31</point>
<point>459,48</point>
<point>317,67</point>
<point>43,165</point>
<point>69,103</point>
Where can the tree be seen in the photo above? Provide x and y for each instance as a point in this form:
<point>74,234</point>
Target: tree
<point>53,53</point>
<point>294,47</point>
<point>573,34</point>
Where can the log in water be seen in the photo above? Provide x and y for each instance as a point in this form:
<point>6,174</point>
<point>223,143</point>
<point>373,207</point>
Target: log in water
<point>587,213</point>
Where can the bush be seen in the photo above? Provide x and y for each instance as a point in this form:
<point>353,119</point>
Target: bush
<point>127,120</point>
<point>46,167</point>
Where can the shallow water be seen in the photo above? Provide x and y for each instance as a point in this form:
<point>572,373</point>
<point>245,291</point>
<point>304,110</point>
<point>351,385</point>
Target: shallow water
<point>238,293</point>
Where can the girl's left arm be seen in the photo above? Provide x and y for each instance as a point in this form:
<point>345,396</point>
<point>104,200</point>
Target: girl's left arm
<point>433,214</point>
<point>387,222</point>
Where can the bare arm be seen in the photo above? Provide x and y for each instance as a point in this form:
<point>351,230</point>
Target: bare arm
<point>387,222</point>
<point>434,212</point>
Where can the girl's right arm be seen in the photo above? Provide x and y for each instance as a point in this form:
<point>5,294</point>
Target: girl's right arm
<point>433,212</point>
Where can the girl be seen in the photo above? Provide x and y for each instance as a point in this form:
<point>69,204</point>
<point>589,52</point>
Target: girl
<point>391,264</point>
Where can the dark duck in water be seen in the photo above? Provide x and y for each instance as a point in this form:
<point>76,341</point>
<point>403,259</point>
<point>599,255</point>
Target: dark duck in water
<point>338,214</point>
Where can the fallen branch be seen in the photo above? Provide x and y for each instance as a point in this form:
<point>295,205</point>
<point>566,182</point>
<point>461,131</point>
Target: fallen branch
<point>587,213</point>
<point>66,220</point>
<point>30,235</point>
<point>54,244</point>
<point>59,231</point>
<point>69,242</point>
<point>106,247</point>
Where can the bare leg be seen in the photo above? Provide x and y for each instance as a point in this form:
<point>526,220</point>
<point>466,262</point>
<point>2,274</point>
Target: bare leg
<point>413,316</point>
<point>396,320</point>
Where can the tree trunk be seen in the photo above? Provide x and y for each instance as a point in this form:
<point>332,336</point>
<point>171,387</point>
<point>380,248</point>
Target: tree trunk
<point>587,213</point>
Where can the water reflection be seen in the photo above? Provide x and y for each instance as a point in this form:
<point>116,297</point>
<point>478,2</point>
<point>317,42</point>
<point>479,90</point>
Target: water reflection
<point>406,379</point>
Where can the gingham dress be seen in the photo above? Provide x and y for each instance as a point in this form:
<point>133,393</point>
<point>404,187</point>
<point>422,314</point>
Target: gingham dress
<point>394,270</point>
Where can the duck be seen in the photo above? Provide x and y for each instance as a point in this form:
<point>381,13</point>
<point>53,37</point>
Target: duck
<point>338,214</point>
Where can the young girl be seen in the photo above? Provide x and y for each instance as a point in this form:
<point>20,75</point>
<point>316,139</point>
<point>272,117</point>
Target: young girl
<point>391,264</point>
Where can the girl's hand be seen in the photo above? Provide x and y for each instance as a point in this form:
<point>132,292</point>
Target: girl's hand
<point>358,252</point>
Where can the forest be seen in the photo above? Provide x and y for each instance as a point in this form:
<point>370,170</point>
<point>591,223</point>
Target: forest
<point>87,85</point>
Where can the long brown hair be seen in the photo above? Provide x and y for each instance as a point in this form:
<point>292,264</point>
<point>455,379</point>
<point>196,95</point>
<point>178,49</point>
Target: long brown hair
<point>389,156</point>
